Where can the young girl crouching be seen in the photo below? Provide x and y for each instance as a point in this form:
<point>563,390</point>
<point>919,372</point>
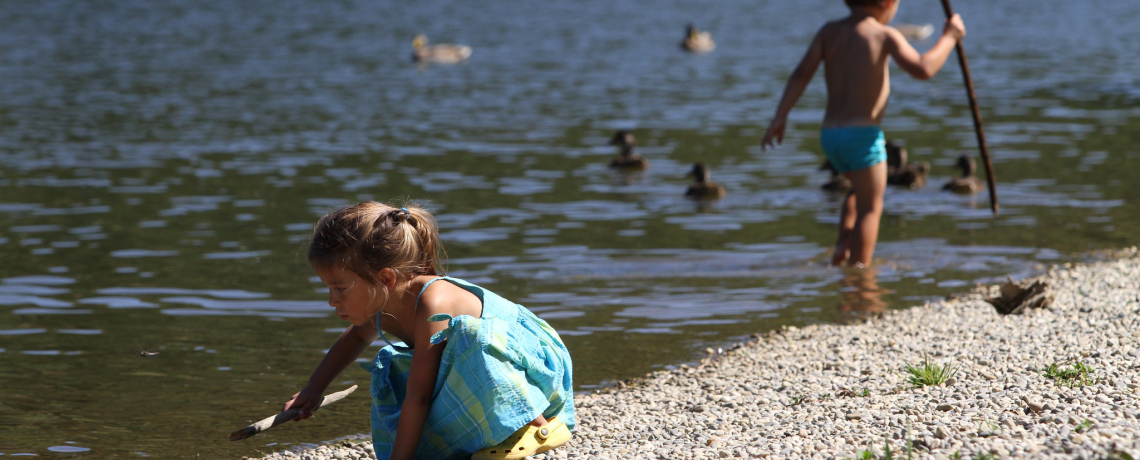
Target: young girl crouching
<point>472,373</point>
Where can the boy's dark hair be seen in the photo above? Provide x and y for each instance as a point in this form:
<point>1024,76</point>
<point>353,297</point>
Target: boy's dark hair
<point>865,2</point>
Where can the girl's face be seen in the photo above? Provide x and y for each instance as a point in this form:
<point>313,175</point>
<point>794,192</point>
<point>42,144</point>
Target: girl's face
<point>355,299</point>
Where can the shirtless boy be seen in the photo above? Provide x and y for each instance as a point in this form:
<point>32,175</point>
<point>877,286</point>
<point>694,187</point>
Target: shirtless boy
<point>856,51</point>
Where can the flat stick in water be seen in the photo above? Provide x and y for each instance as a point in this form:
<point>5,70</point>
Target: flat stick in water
<point>977,115</point>
<point>286,416</point>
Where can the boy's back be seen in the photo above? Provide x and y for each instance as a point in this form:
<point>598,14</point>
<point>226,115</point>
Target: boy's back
<point>855,67</point>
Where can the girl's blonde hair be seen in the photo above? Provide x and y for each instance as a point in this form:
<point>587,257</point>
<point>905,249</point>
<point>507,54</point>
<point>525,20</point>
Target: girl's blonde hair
<point>369,236</point>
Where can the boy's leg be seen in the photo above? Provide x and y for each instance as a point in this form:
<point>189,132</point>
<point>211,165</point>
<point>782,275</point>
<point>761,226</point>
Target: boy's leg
<point>846,225</point>
<point>868,185</point>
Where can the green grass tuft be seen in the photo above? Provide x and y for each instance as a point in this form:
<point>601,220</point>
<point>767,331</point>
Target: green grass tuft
<point>1078,375</point>
<point>928,373</point>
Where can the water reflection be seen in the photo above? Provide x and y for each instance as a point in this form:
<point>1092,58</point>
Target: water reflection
<point>862,298</point>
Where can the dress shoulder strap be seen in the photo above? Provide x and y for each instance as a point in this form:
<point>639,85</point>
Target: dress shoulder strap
<point>417,307</point>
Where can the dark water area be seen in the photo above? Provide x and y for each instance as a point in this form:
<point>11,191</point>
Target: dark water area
<point>161,165</point>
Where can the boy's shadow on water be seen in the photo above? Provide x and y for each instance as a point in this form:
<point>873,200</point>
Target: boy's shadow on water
<point>862,298</point>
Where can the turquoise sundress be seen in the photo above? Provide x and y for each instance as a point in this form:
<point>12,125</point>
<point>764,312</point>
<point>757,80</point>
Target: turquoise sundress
<point>497,374</point>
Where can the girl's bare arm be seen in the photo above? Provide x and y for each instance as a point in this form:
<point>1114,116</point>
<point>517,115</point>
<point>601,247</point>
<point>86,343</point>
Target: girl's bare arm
<point>925,66</point>
<point>351,343</point>
<point>421,381</point>
<point>797,83</point>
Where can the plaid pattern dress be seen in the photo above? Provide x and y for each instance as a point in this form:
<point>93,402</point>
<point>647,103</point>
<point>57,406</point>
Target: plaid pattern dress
<point>497,374</point>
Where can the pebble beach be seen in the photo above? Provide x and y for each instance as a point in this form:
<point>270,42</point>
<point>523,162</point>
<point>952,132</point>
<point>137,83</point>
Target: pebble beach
<point>1056,382</point>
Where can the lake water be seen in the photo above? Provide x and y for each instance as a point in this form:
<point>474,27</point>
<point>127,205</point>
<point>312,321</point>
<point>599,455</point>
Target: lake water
<point>161,165</point>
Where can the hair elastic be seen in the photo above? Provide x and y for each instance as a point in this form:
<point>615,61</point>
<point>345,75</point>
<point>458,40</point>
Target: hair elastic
<point>407,215</point>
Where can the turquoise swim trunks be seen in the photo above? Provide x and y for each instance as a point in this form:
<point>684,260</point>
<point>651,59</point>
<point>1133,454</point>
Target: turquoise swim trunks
<point>854,148</point>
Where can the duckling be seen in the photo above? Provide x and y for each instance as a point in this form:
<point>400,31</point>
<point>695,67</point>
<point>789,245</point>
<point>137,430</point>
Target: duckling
<point>702,188</point>
<point>696,41</point>
<point>916,32</point>
<point>627,160</point>
<point>837,182</point>
<point>899,172</point>
<point>968,184</point>
<point>442,53</point>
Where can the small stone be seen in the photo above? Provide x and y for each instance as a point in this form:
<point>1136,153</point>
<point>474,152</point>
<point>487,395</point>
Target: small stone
<point>854,416</point>
<point>945,407</point>
<point>1035,406</point>
<point>941,433</point>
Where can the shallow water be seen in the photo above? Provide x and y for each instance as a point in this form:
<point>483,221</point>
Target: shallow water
<point>161,165</point>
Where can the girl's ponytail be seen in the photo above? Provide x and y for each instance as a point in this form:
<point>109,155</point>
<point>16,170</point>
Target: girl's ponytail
<point>369,236</point>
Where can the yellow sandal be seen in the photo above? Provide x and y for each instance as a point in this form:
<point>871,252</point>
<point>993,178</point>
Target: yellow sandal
<point>527,441</point>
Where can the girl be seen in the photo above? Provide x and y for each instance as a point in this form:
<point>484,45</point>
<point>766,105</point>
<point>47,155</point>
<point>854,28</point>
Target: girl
<point>474,374</point>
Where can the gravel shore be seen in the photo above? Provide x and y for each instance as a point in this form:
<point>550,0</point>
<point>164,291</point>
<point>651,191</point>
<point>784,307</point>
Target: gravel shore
<point>834,391</point>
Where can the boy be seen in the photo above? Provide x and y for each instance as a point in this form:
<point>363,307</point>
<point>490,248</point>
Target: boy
<point>856,51</point>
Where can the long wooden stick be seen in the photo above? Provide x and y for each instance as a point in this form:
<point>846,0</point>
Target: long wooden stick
<point>286,416</point>
<point>977,115</point>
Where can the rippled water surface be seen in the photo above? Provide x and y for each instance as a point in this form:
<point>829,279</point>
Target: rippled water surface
<point>161,165</point>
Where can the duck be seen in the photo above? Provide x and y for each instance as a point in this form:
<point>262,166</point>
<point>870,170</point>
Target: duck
<point>442,53</point>
<point>627,160</point>
<point>899,172</point>
<point>702,188</point>
<point>916,32</point>
<point>696,41</point>
<point>968,184</point>
<point>837,182</point>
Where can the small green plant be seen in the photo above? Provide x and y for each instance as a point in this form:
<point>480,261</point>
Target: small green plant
<point>865,393</point>
<point>864,455</point>
<point>797,400</point>
<point>988,456</point>
<point>1117,456</point>
<point>929,373</point>
<point>957,455</point>
<point>1084,425</point>
<point>1079,375</point>
<point>988,426</point>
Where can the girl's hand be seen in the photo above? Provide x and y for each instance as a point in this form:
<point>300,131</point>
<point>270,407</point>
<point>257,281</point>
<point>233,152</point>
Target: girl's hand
<point>307,399</point>
<point>775,134</point>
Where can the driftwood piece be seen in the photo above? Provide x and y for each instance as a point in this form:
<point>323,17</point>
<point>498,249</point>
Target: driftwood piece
<point>1015,298</point>
<point>286,416</point>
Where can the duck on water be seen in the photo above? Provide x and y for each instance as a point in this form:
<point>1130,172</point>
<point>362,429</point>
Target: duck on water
<point>702,188</point>
<point>442,53</point>
<point>968,183</point>
<point>627,160</point>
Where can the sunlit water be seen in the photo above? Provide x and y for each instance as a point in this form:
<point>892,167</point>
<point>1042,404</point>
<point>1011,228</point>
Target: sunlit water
<point>161,165</point>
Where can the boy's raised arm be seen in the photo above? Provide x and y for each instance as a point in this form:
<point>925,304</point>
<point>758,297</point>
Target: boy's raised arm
<point>797,83</point>
<point>925,66</point>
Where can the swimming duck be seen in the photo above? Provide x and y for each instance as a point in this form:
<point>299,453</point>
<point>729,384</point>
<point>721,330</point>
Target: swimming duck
<point>702,188</point>
<point>442,53</point>
<point>968,184</point>
<point>899,172</point>
<point>916,32</point>
<point>627,160</point>
<point>837,182</point>
<point>697,41</point>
